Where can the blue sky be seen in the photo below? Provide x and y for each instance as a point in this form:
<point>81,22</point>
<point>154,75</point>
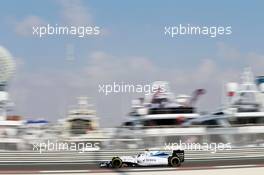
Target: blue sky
<point>134,30</point>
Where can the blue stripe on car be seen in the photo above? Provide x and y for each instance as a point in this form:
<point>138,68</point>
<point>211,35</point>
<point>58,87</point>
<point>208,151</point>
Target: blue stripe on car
<point>160,154</point>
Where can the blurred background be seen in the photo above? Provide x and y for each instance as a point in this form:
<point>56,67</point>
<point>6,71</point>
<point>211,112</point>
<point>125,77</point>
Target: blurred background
<point>49,87</point>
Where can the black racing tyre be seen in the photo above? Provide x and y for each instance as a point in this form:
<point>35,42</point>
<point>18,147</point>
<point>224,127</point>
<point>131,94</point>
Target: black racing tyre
<point>116,162</point>
<point>174,161</point>
<point>169,159</point>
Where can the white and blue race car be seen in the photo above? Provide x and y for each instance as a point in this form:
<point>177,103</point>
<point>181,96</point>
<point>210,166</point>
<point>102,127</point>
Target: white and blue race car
<point>148,158</point>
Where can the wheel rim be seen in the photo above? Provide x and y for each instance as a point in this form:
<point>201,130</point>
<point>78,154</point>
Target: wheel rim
<point>117,163</point>
<point>174,161</point>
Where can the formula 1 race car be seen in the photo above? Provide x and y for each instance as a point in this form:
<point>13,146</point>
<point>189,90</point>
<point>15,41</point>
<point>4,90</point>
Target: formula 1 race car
<point>148,158</point>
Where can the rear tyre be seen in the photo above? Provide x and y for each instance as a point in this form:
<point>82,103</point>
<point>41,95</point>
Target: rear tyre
<point>116,162</point>
<point>174,161</point>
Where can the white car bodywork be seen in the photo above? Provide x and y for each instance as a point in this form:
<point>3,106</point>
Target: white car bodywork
<point>148,158</point>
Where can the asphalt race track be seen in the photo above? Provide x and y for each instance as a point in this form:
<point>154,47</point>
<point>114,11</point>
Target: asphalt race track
<point>32,168</point>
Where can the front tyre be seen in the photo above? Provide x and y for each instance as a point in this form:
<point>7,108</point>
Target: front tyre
<point>116,162</point>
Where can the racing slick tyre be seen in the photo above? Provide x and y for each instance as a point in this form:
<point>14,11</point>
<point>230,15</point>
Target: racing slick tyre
<point>116,162</point>
<point>174,161</point>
